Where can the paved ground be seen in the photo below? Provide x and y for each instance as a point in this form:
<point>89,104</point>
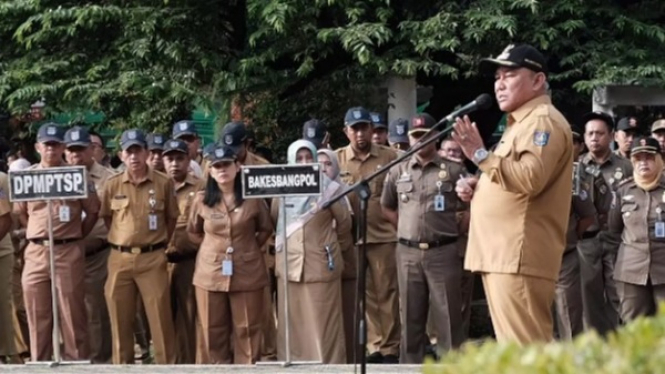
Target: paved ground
<point>217,369</point>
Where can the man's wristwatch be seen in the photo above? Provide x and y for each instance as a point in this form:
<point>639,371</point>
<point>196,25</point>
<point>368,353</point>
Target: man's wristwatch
<point>480,155</point>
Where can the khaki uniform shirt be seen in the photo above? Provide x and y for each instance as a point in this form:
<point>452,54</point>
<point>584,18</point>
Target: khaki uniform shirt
<point>128,206</point>
<point>582,207</point>
<point>6,246</point>
<point>521,204</point>
<point>99,175</point>
<point>185,193</point>
<point>308,259</point>
<point>634,215</point>
<point>37,211</point>
<point>411,189</point>
<point>353,169</point>
<point>222,229</point>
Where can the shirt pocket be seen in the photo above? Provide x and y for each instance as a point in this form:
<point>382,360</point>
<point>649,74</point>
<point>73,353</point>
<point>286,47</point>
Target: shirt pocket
<point>404,191</point>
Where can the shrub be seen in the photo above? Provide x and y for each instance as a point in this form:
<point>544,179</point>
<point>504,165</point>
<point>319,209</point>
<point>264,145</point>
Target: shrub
<point>636,348</point>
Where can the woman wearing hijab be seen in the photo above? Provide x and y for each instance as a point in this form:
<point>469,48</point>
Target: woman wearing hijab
<point>328,159</point>
<point>315,241</point>
<point>638,213</point>
<point>230,272</point>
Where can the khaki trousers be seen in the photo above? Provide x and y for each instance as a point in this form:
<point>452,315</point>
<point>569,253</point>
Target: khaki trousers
<point>7,343</point>
<point>639,300</point>
<point>269,343</point>
<point>69,280</point>
<point>568,298</point>
<point>349,304</point>
<point>382,269</point>
<point>21,330</point>
<point>145,275</point>
<point>99,325</point>
<point>184,310</point>
<point>520,307</point>
<point>223,313</point>
<point>599,293</point>
<point>429,280</point>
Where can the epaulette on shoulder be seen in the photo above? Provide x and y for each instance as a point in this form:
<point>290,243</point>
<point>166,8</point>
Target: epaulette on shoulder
<point>626,182</point>
<point>115,176</point>
<point>541,110</point>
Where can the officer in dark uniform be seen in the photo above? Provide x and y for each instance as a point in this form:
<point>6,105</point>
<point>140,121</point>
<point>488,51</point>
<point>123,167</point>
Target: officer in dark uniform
<point>419,199</point>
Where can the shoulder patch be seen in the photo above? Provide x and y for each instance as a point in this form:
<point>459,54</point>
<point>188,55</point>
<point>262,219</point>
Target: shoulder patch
<point>541,138</point>
<point>626,182</point>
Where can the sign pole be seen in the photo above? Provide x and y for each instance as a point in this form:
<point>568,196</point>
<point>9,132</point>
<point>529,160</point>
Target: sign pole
<point>287,322</point>
<point>57,358</point>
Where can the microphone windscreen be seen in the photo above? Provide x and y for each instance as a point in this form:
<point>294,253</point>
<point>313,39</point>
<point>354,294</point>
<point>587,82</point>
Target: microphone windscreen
<point>483,101</point>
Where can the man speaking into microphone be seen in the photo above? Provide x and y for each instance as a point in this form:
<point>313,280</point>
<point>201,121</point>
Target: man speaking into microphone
<point>521,203</point>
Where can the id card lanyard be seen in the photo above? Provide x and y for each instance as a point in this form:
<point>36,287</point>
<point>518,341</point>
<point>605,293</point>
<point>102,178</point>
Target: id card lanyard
<point>227,263</point>
<point>152,216</point>
<point>659,229</point>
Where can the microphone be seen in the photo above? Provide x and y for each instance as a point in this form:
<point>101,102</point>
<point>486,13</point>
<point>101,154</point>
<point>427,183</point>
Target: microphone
<point>481,102</point>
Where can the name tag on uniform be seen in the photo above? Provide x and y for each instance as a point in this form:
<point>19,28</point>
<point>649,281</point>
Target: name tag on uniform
<point>439,203</point>
<point>64,213</point>
<point>227,268</point>
<point>152,222</point>
<point>660,230</point>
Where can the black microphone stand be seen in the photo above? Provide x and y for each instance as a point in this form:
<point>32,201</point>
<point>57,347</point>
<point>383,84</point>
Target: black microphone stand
<point>362,189</point>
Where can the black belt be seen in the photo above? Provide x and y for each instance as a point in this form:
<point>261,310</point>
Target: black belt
<point>139,250</point>
<point>101,248</point>
<point>427,245</point>
<point>45,242</point>
<point>590,234</point>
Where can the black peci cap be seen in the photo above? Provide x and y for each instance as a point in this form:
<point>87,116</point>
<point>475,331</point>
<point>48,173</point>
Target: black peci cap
<point>516,56</point>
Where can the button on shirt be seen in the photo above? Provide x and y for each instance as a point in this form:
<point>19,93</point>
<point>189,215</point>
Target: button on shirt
<point>521,204</point>
<point>641,254</point>
<point>353,168</point>
<point>128,206</point>
<point>411,189</point>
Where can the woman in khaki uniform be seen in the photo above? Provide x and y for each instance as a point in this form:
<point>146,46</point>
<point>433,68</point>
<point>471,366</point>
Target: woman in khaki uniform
<point>638,215</point>
<point>230,271</point>
<point>315,241</point>
<point>328,159</point>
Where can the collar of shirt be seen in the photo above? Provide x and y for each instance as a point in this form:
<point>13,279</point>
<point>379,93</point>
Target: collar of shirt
<point>522,112</point>
<point>611,159</point>
<point>415,163</point>
<point>149,176</point>
<point>351,153</point>
<point>96,170</point>
<point>190,180</point>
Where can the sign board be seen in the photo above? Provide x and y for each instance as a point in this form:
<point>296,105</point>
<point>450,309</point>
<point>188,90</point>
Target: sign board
<point>68,182</point>
<point>264,181</point>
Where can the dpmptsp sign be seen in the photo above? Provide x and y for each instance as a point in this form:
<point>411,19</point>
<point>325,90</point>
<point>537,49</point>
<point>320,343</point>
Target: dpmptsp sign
<point>263,181</point>
<point>69,182</point>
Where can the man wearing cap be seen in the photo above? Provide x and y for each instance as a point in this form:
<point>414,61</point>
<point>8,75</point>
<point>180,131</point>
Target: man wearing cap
<point>397,134</point>
<point>140,211</point>
<point>598,248</point>
<point>419,200</point>
<point>523,195</point>
<point>569,307</point>
<point>72,221</point>
<point>186,131</point>
<point>356,161</point>
<point>658,133</point>
<point>380,129</point>
<point>234,136</point>
<point>316,132</point>
<point>181,251</point>
<point>627,130</point>
<point>79,151</point>
<point>155,148</point>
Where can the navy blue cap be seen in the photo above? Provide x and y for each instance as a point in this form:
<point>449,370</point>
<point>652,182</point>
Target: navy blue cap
<point>183,128</point>
<point>175,145</point>
<point>378,120</point>
<point>77,136</point>
<point>208,150</point>
<point>422,123</point>
<point>314,131</point>
<point>51,132</point>
<point>222,153</point>
<point>155,141</point>
<point>132,137</point>
<point>357,115</point>
<point>398,130</point>
<point>233,135</point>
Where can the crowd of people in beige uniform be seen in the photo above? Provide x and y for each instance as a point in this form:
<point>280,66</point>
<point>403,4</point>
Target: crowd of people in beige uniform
<point>166,253</point>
